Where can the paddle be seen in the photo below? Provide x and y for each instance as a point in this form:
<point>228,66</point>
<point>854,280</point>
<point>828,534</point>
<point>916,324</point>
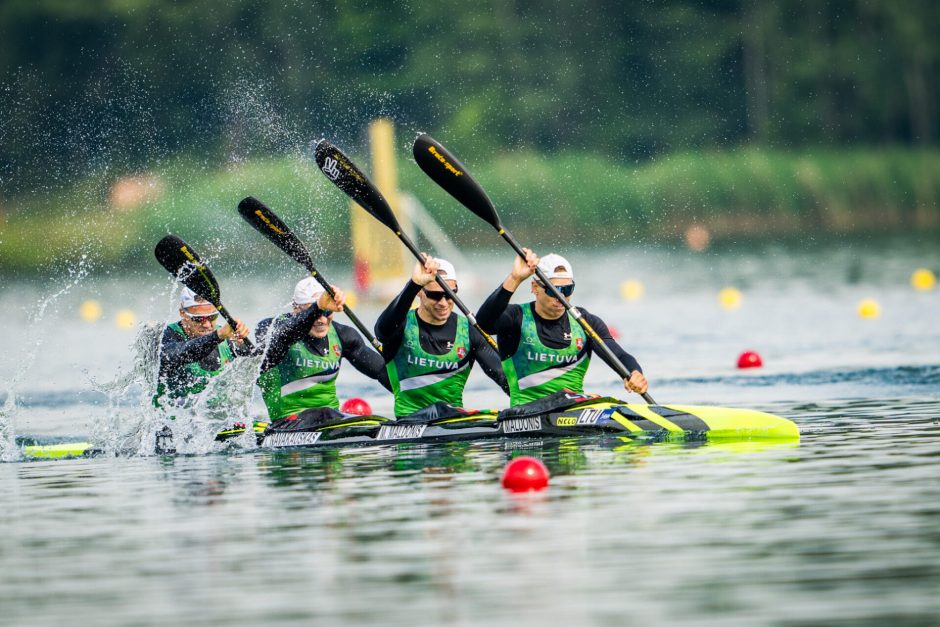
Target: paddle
<point>266,222</point>
<point>345,175</point>
<point>448,172</point>
<point>182,262</point>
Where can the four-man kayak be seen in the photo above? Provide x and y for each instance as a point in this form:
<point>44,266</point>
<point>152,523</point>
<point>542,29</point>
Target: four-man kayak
<point>560,415</point>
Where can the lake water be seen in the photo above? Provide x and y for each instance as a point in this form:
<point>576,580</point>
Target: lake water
<point>842,528</point>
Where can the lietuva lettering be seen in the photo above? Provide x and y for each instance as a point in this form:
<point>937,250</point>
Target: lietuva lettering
<point>314,363</point>
<point>562,359</point>
<point>432,363</point>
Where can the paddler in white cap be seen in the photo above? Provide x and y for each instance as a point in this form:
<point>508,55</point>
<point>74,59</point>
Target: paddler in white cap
<point>301,368</point>
<point>430,350</point>
<point>195,348</point>
<point>543,348</point>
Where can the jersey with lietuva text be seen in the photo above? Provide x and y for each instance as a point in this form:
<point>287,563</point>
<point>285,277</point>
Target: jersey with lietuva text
<point>192,378</point>
<point>536,370</point>
<point>303,378</point>
<point>420,378</point>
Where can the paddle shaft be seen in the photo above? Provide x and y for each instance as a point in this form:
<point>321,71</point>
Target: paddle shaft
<point>447,171</point>
<point>266,222</point>
<point>603,350</point>
<point>450,293</point>
<point>346,310</point>
<point>343,173</point>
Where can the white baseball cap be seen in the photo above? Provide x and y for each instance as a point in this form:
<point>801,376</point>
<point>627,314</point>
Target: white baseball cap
<point>189,298</point>
<point>446,269</point>
<point>307,291</point>
<point>550,264</point>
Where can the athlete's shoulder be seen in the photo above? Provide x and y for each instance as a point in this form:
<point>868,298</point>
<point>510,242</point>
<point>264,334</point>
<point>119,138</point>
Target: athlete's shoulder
<point>514,311</point>
<point>345,332</point>
<point>173,333</point>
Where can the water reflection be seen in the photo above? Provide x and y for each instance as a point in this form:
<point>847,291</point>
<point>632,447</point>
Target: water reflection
<point>840,526</point>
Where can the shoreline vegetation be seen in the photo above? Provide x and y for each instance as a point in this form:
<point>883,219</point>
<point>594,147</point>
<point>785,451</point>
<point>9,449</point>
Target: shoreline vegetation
<point>549,199</point>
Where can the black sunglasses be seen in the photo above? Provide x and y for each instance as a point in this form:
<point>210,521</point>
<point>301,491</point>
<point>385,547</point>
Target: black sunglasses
<point>566,290</point>
<point>438,294</point>
<point>306,306</point>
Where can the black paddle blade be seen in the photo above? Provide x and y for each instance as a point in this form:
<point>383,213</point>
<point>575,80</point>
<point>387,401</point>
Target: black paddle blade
<point>345,175</point>
<point>448,172</point>
<point>266,222</point>
<point>182,262</point>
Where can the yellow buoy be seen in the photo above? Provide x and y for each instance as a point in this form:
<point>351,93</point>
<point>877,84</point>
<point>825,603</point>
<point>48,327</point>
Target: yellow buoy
<point>923,279</point>
<point>632,290</point>
<point>729,298</point>
<point>869,308</point>
<point>90,310</point>
<point>352,300</point>
<point>125,319</point>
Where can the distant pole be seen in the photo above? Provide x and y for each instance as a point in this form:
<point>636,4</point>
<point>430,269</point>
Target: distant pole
<point>379,260</point>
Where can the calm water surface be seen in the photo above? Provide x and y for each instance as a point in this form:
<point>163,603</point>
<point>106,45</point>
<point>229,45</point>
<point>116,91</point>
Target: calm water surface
<point>842,528</point>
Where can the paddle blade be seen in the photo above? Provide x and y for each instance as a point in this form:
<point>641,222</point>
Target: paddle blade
<point>182,262</point>
<point>448,172</point>
<point>266,222</point>
<point>340,169</point>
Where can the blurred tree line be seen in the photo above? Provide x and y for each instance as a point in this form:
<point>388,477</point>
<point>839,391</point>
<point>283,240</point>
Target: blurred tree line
<point>120,84</point>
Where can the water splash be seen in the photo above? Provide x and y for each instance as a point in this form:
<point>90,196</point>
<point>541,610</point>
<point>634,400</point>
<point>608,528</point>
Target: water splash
<point>77,272</point>
<point>116,432</point>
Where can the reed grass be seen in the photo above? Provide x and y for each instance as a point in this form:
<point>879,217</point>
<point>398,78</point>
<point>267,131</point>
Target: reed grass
<point>548,200</point>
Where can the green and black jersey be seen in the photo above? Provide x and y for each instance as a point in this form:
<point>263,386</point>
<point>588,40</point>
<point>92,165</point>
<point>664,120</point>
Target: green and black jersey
<point>542,356</point>
<point>427,362</point>
<point>303,374</point>
<point>187,364</point>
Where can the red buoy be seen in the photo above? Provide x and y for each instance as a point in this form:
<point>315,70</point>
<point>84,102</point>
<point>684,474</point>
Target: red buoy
<point>749,359</point>
<point>356,406</point>
<point>525,474</point>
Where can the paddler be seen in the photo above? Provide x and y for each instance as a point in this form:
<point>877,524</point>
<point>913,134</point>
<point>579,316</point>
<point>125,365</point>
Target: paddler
<point>430,350</point>
<point>542,347</point>
<point>194,348</point>
<point>302,373</point>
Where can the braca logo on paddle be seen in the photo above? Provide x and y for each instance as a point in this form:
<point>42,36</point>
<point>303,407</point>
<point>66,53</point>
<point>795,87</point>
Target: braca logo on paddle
<point>341,170</point>
<point>448,172</point>
<point>181,261</point>
<point>267,222</point>
<point>447,164</point>
<point>330,168</point>
<point>334,164</point>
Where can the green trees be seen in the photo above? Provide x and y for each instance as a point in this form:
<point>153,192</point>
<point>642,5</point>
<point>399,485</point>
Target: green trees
<point>111,84</point>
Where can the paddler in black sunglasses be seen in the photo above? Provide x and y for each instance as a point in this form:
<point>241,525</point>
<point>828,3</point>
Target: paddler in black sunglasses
<point>429,350</point>
<point>542,347</point>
